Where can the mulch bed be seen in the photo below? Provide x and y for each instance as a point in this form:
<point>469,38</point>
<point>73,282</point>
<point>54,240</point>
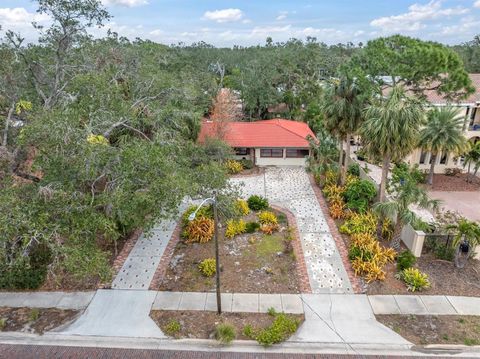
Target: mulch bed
<point>426,329</point>
<point>265,266</point>
<point>201,325</point>
<point>33,320</point>
<point>445,278</point>
<point>456,183</point>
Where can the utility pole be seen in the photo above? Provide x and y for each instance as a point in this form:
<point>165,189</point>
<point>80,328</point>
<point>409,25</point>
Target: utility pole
<point>217,255</point>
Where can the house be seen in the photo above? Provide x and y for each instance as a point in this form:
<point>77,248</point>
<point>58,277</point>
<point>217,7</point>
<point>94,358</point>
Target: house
<point>470,108</point>
<point>276,142</point>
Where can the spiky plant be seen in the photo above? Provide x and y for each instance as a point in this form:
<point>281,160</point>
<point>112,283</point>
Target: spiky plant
<point>398,207</point>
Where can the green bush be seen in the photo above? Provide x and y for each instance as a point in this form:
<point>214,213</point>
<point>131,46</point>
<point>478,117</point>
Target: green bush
<point>203,212</point>
<point>354,169</point>
<point>225,333</point>
<point>248,331</point>
<point>257,203</point>
<point>34,314</point>
<point>405,260</point>
<point>414,279</point>
<point>247,164</point>
<point>447,253</point>
<point>359,194</point>
<point>22,275</point>
<point>3,323</point>
<point>208,267</point>
<point>172,328</point>
<point>252,227</point>
<point>282,327</point>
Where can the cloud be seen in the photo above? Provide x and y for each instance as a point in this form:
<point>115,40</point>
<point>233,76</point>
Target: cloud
<point>467,25</point>
<point>414,19</point>
<point>20,20</point>
<point>477,4</point>
<point>283,15</point>
<point>127,3</point>
<point>225,15</point>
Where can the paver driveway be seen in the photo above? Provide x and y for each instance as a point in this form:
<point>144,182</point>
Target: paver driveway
<point>290,187</point>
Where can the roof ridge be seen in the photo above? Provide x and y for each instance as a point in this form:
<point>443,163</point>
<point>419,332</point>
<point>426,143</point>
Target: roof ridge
<point>286,129</point>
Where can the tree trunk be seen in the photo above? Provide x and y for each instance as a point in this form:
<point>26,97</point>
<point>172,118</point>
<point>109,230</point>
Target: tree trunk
<point>347,158</point>
<point>7,125</point>
<point>383,183</point>
<point>340,157</point>
<point>433,160</point>
<point>469,174</point>
<point>397,235</point>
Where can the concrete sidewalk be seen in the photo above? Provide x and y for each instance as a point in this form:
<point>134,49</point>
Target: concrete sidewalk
<point>61,300</point>
<point>424,304</point>
<point>250,302</point>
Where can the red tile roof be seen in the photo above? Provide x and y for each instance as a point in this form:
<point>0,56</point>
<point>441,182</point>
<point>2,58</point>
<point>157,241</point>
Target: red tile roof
<point>434,98</point>
<point>265,133</point>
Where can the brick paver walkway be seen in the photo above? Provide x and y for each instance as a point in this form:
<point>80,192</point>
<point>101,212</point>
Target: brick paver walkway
<point>290,187</point>
<point>61,352</point>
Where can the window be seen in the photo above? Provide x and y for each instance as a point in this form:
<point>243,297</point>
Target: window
<point>296,153</point>
<point>271,152</point>
<point>444,158</point>
<point>241,151</point>
<point>423,157</point>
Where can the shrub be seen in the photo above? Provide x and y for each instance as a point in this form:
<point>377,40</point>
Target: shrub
<point>3,323</point>
<point>257,203</point>
<point>269,228</point>
<point>200,230</point>
<point>22,275</point>
<point>331,177</point>
<point>235,227</point>
<point>282,327</point>
<point>34,314</point>
<point>233,167</point>
<point>172,328</point>
<point>368,256</point>
<point>452,171</point>
<point>405,260</point>
<point>337,207</point>
<point>359,194</point>
<point>387,229</point>
<point>267,217</point>
<point>354,169</point>
<point>360,223</point>
<point>247,164</point>
<point>241,206</point>
<point>252,227</point>
<point>225,333</point>
<point>332,191</point>
<point>414,279</point>
<point>208,267</point>
<point>248,331</point>
<point>203,212</point>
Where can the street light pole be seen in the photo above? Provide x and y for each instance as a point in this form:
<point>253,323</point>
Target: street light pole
<point>191,217</point>
<point>217,255</point>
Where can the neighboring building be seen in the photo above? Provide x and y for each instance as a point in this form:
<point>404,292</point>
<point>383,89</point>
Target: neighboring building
<point>470,108</point>
<point>275,142</point>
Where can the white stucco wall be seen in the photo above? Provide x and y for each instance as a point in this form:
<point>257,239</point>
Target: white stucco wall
<point>273,161</point>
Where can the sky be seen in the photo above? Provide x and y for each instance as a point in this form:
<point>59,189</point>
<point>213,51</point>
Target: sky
<point>250,22</point>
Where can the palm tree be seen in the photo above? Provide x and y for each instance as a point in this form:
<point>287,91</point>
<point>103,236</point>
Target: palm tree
<point>442,133</point>
<point>325,152</point>
<point>407,195</point>
<point>472,157</point>
<point>467,237</point>
<point>391,130</point>
<point>343,105</point>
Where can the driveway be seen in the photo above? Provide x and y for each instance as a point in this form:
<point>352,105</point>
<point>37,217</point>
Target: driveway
<point>290,188</point>
<point>466,203</point>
